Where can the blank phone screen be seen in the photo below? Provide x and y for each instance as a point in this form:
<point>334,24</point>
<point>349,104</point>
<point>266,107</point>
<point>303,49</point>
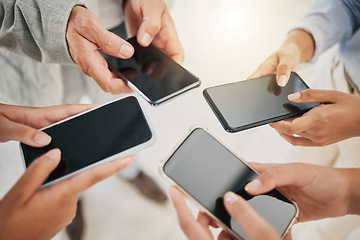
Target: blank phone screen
<point>207,170</point>
<point>255,102</point>
<point>152,72</point>
<point>94,136</point>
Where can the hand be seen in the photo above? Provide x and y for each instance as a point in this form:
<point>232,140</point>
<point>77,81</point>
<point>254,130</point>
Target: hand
<point>338,118</point>
<point>237,207</point>
<point>85,35</point>
<point>19,123</point>
<point>319,192</point>
<point>30,212</point>
<point>297,48</point>
<point>151,21</point>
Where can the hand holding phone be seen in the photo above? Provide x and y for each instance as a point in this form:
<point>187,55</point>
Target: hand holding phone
<point>105,133</point>
<point>205,170</point>
<point>152,74</point>
<point>255,102</point>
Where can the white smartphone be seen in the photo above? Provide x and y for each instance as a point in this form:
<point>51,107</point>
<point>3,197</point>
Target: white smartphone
<point>152,74</point>
<point>204,170</point>
<point>110,131</point>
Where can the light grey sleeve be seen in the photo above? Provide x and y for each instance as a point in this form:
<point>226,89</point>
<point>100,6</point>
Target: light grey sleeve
<point>36,28</point>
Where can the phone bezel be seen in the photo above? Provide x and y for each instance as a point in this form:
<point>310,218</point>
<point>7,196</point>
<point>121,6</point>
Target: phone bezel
<point>201,207</point>
<point>232,129</point>
<point>127,152</point>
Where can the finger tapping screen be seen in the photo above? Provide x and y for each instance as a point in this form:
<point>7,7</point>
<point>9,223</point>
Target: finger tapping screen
<point>94,136</point>
<point>152,72</point>
<point>207,170</point>
<point>255,102</point>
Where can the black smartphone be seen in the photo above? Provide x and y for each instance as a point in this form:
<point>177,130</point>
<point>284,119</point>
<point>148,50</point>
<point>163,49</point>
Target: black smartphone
<point>152,74</point>
<point>110,131</point>
<point>251,103</point>
<point>203,169</point>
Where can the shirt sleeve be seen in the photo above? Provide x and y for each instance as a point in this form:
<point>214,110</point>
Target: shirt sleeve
<point>36,28</point>
<point>330,22</point>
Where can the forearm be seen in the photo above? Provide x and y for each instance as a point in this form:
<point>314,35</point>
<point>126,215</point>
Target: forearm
<point>36,28</point>
<point>302,42</point>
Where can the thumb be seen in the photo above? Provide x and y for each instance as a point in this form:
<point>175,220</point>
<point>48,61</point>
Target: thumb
<point>254,225</point>
<point>36,174</point>
<point>314,95</point>
<point>22,133</point>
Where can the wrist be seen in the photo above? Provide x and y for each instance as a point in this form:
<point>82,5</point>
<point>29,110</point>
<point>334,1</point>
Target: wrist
<point>301,43</point>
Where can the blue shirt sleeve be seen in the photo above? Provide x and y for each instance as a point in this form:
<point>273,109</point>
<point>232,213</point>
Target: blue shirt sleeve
<point>330,22</point>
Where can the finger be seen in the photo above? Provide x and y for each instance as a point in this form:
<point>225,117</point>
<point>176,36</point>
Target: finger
<point>84,180</point>
<point>296,125</point>
<point>246,216</point>
<point>314,95</point>
<point>276,176</point>
<point>10,130</point>
<point>224,236</point>
<point>267,67</point>
<point>48,115</point>
<point>152,13</point>
<point>204,220</point>
<point>36,174</point>
<point>298,141</point>
<point>187,222</point>
<point>90,27</point>
<point>284,70</point>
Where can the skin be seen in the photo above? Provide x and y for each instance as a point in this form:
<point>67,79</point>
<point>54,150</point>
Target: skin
<point>150,20</point>
<point>22,123</point>
<point>310,186</point>
<point>41,213</point>
<point>320,126</point>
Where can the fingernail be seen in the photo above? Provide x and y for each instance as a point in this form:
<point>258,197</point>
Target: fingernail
<point>253,186</point>
<point>294,96</point>
<point>126,50</point>
<point>230,197</point>
<point>146,39</point>
<point>53,154</point>
<point>282,80</point>
<point>129,160</point>
<point>42,138</point>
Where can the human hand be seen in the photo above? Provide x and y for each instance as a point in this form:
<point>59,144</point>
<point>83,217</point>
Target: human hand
<point>30,212</point>
<point>21,123</point>
<point>297,48</point>
<point>85,35</point>
<point>236,206</point>
<point>151,21</point>
<point>338,118</point>
<point>319,192</point>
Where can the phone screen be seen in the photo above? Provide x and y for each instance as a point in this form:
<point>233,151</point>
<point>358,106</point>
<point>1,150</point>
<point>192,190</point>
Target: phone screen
<point>152,73</point>
<point>245,104</point>
<point>94,136</point>
<point>206,170</point>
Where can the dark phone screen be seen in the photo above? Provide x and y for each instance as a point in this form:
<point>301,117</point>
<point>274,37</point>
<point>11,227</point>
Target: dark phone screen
<point>94,136</point>
<point>254,102</point>
<point>207,170</point>
<point>154,73</point>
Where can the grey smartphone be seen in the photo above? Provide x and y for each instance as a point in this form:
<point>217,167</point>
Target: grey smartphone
<point>152,74</point>
<point>110,131</point>
<point>251,103</point>
<point>203,169</point>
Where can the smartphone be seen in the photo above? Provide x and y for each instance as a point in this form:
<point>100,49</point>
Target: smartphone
<point>204,170</point>
<point>108,132</point>
<point>251,103</point>
<point>152,74</point>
